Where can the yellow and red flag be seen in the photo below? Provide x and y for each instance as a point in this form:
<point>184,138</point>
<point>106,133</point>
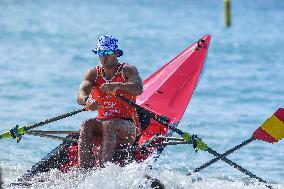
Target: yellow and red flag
<point>272,130</point>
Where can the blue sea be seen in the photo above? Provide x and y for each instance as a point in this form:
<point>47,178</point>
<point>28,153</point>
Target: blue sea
<point>45,47</point>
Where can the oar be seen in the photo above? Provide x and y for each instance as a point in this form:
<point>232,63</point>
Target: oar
<point>17,131</point>
<point>196,141</point>
<point>51,136</point>
<point>271,131</point>
<point>55,132</point>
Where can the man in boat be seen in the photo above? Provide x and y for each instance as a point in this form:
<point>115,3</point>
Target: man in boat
<point>116,125</point>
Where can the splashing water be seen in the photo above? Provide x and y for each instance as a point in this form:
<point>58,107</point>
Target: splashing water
<point>45,51</point>
<point>134,176</point>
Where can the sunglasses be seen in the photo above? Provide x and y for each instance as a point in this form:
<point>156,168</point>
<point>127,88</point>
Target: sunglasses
<point>105,52</point>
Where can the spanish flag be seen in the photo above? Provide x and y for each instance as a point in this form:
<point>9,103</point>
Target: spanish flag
<point>272,130</point>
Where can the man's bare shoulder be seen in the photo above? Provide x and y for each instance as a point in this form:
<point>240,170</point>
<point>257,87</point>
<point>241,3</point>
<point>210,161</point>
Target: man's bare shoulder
<point>131,74</point>
<point>130,69</point>
<point>91,75</point>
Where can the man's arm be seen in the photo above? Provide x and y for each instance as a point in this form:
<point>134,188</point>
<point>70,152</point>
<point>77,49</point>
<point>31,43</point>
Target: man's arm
<point>86,86</point>
<point>134,84</point>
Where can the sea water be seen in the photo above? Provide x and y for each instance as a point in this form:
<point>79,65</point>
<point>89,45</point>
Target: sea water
<point>45,47</point>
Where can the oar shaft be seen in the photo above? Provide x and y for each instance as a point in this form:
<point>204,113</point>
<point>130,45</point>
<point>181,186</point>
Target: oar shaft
<point>54,119</point>
<point>17,131</point>
<point>51,136</point>
<point>170,138</point>
<point>167,143</point>
<point>54,132</point>
<point>221,156</point>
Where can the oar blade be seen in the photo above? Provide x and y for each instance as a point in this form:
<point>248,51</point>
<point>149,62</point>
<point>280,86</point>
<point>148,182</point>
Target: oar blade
<point>272,130</point>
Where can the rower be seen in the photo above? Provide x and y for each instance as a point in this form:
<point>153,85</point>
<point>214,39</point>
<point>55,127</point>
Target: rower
<point>116,124</point>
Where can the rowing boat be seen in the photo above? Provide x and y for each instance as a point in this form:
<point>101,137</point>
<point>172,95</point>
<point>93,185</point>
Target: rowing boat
<point>167,93</point>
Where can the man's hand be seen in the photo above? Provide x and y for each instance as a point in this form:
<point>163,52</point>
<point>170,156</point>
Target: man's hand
<point>110,88</point>
<point>92,104</point>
